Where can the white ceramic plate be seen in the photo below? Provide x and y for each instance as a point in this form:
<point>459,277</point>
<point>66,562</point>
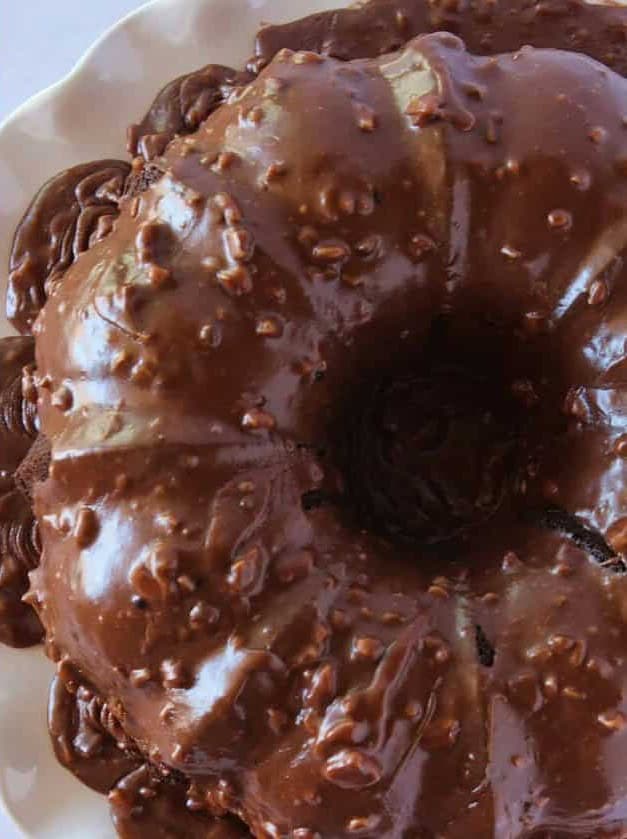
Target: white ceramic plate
<point>84,117</point>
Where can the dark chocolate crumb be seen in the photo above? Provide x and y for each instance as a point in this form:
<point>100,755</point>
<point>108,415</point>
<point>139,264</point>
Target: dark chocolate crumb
<point>316,498</point>
<point>485,650</point>
<point>139,602</point>
<point>584,537</point>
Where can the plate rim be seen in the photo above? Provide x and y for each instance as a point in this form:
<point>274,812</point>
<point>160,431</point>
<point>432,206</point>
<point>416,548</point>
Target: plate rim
<point>38,98</point>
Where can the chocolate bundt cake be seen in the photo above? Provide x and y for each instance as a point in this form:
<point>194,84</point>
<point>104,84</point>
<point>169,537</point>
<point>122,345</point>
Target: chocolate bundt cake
<point>334,520</point>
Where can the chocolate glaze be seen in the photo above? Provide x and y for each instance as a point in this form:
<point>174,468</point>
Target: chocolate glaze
<point>145,804</point>
<point>145,800</point>
<point>181,107</point>
<point>19,542</point>
<point>18,416</point>
<point>86,736</point>
<point>486,27</point>
<point>188,394</point>
<point>375,28</point>
<point>73,210</point>
<point>78,206</point>
<point>309,404</point>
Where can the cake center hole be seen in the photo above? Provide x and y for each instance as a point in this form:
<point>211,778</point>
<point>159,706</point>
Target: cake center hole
<point>426,455</point>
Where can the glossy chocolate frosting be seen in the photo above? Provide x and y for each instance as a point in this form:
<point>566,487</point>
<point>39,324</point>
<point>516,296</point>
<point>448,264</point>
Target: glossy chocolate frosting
<point>486,27</point>
<point>334,525</point>
<point>19,541</point>
<point>182,106</point>
<point>72,211</point>
<point>145,800</point>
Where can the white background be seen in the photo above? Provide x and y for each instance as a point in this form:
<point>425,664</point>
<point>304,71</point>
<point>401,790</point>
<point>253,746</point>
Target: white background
<point>40,41</point>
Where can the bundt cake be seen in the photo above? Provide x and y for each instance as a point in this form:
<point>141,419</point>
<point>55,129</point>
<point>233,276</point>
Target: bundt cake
<point>332,381</point>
